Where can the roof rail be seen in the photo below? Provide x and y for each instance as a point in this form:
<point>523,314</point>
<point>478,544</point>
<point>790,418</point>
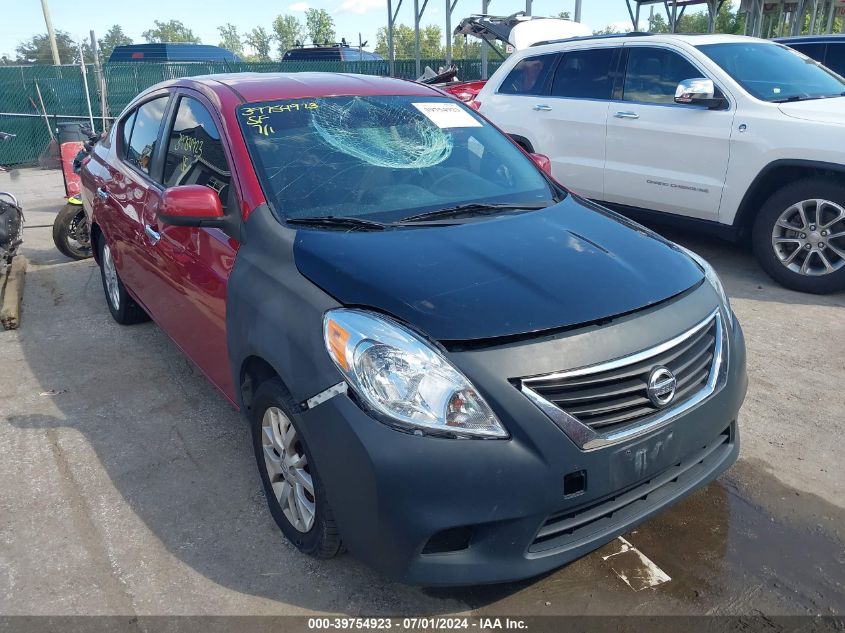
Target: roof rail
<point>582,38</point>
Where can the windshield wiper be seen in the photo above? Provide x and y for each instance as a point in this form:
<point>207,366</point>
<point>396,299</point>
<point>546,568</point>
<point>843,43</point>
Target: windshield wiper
<point>341,222</point>
<point>470,209</point>
<point>807,98</point>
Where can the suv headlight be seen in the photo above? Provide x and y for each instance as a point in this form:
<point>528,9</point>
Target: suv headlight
<point>712,276</point>
<point>405,379</point>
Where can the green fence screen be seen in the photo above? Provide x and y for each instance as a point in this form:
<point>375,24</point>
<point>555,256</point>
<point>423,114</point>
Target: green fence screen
<point>63,94</point>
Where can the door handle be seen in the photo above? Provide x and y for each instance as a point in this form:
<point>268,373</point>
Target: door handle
<point>542,107</point>
<point>102,194</point>
<point>154,235</point>
<point>627,115</point>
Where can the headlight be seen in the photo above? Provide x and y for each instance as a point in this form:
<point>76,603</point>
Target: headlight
<point>712,276</point>
<point>405,379</point>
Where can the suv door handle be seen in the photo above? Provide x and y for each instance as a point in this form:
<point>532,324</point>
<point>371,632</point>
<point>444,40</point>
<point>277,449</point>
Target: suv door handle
<point>627,115</point>
<point>154,235</point>
<point>102,194</point>
<point>542,107</point>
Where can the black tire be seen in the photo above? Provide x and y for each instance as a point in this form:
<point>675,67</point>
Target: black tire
<point>127,312</point>
<point>764,225</point>
<point>322,540</point>
<point>63,233</point>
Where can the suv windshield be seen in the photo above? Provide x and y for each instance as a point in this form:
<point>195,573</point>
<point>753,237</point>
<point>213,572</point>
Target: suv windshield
<point>773,72</point>
<point>383,158</point>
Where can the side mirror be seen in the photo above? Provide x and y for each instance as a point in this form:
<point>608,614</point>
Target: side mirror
<point>543,162</point>
<point>191,205</point>
<point>699,91</point>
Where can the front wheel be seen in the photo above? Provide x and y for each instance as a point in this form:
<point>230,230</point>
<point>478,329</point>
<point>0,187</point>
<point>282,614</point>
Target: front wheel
<point>70,232</point>
<point>799,236</point>
<point>291,482</point>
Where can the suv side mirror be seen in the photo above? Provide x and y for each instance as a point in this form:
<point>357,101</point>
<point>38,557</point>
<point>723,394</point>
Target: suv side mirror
<point>543,162</point>
<point>699,91</point>
<point>191,205</point>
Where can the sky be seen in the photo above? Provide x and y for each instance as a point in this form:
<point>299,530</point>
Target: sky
<point>23,18</point>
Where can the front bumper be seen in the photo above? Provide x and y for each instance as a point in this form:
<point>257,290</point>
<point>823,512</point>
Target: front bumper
<point>498,507</point>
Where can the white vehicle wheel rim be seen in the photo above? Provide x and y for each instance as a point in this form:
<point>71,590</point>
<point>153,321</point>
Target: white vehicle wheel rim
<point>287,468</point>
<point>809,237</point>
<point>112,289</point>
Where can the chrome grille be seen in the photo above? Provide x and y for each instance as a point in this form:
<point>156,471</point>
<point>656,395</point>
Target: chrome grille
<point>612,395</point>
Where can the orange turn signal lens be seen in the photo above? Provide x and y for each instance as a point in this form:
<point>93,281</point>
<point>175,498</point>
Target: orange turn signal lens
<point>337,340</point>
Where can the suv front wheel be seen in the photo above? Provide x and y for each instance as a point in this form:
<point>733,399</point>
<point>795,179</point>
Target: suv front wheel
<point>799,236</point>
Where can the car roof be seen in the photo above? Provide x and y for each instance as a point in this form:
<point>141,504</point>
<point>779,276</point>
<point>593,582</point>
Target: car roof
<point>812,39</point>
<point>251,87</point>
<point>167,51</point>
<point>692,39</point>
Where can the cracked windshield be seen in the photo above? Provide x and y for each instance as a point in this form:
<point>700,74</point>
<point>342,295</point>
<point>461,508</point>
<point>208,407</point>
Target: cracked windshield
<point>384,158</point>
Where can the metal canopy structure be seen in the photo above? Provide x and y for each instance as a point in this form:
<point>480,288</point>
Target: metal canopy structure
<point>788,17</point>
<point>450,8</point>
<point>763,18</point>
<point>674,11</point>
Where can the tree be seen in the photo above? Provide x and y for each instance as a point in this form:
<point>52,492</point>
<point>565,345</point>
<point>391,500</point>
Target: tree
<point>261,43</point>
<point>230,39</point>
<point>320,26</point>
<point>403,42</point>
<point>36,50</point>
<point>657,24</point>
<point>610,29</point>
<point>172,31</point>
<point>289,32</point>
<point>727,21</point>
<point>563,15</point>
<point>113,37</point>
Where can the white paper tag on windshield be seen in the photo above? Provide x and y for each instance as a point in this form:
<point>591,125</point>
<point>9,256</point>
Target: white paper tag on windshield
<point>446,115</point>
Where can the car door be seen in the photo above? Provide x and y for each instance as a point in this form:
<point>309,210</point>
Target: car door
<point>127,187</point>
<point>572,122</point>
<point>662,155</point>
<point>187,292</point>
<point>516,103</point>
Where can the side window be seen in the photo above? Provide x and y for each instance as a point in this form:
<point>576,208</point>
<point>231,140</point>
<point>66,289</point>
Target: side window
<point>585,74</point>
<point>127,132</point>
<point>653,74</point>
<point>195,153</point>
<point>147,121</point>
<point>529,76</point>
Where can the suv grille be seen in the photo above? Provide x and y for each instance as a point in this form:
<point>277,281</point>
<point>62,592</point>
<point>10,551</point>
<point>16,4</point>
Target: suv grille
<point>611,395</point>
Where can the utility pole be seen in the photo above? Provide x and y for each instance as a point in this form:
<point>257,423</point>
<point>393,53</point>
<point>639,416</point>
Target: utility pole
<point>577,15</point>
<point>50,33</point>
<point>485,7</point>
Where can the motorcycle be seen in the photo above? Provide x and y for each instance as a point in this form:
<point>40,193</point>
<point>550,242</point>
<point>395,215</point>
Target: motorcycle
<point>11,222</point>
<point>70,228</point>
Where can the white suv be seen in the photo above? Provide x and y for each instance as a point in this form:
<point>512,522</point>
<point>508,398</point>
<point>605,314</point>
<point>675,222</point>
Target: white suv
<point>741,135</point>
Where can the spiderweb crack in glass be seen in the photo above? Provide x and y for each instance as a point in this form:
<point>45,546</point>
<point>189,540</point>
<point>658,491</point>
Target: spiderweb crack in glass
<point>383,135</point>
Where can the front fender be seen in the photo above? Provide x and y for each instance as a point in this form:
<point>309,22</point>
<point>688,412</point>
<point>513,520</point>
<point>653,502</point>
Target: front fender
<point>275,313</point>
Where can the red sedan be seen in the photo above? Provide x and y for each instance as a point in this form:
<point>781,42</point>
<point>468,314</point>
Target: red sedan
<point>448,362</point>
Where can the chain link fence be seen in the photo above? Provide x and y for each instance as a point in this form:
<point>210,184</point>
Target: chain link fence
<point>61,89</point>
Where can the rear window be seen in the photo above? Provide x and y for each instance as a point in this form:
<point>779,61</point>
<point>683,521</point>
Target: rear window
<point>383,158</point>
<point>530,76</point>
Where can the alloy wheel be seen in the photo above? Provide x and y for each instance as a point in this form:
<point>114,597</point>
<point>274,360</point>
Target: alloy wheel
<point>287,468</point>
<point>110,274</point>
<point>809,237</point>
